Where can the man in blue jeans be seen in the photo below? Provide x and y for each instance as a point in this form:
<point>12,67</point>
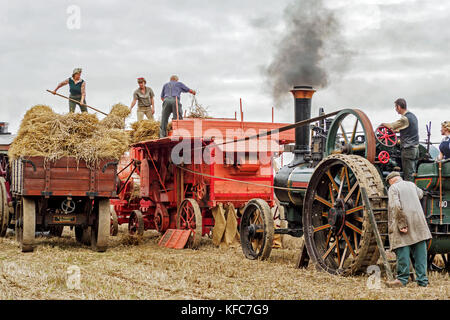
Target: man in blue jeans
<point>408,230</point>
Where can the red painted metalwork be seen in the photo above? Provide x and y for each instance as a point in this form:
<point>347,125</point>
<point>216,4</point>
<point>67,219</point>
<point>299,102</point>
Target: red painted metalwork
<point>163,185</point>
<point>384,157</point>
<point>387,137</point>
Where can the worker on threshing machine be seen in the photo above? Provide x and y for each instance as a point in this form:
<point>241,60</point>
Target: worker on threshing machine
<point>144,96</point>
<point>408,229</point>
<point>408,127</point>
<point>77,90</point>
<point>170,95</point>
<point>444,147</point>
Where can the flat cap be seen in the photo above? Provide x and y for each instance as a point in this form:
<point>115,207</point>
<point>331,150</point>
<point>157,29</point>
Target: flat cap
<point>392,175</point>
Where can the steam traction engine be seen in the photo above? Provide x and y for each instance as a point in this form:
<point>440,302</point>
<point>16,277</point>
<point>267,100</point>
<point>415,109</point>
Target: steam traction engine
<point>322,191</point>
<point>194,181</point>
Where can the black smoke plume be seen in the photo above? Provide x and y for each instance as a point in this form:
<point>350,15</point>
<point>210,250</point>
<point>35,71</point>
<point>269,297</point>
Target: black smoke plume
<point>312,34</point>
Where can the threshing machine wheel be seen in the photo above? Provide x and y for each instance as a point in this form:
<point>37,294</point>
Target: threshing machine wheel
<point>4,208</point>
<point>338,234</point>
<point>189,217</point>
<point>161,219</point>
<point>114,228</point>
<point>101,228</point>
<point>26,223</point>
<point>256,230</point>
<point>136,223</point>
<point>361,143</point>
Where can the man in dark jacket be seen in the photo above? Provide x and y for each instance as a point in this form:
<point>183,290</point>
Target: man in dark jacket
<point>408,127</point>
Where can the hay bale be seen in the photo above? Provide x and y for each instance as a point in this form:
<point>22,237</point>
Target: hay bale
<point>116,117</point>
<point>79,135</point>
<point>144,130</point>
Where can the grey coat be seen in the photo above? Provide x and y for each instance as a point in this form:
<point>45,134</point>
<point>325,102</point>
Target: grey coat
<point>405,210</point>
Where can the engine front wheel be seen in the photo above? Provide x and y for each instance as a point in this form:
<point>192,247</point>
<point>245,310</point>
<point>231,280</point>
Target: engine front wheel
<point>256,230</point>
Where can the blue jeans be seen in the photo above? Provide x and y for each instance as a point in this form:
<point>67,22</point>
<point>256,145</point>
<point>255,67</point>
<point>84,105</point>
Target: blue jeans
<point>419,253</point>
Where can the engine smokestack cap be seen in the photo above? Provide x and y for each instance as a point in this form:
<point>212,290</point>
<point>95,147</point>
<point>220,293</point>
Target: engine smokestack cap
<point>303,92</point>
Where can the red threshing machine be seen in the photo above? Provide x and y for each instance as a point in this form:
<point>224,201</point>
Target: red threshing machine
<point>178,181</point>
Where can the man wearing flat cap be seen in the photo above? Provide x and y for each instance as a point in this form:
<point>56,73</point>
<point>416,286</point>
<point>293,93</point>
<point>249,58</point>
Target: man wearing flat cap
<point>408,229</point>
<point>77,90</point>
<point>144,96</point>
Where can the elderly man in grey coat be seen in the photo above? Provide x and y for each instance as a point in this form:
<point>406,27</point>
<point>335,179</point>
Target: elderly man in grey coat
<point>408,229</point>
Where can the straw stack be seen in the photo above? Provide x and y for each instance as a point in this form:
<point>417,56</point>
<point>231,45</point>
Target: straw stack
<point>79,135</point>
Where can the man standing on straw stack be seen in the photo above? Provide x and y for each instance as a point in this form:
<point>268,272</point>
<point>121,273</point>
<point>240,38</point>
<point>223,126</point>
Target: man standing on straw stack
<point>144,96</point>
<point>170,96</point>
<point>77,90</point>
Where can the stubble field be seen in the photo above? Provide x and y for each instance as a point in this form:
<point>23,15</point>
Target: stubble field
<point>130,270</point>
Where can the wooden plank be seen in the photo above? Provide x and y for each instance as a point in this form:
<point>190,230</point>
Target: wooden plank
<point>380,244</point>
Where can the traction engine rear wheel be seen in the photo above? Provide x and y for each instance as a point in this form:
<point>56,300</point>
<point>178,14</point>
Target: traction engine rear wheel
<point>189,217</point>
<point>136,223</point>
<point>256,230</point>
<point>338,234</point>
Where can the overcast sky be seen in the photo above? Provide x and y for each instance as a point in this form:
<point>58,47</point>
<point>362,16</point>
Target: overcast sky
<point>400,48</point>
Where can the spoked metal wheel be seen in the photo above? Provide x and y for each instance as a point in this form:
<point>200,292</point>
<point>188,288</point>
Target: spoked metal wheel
<point>4,208</point>
<point>114,228</point>
<point>338,234</point>
<point>351,132</point>
<point>136,223</point>
<point>257,230</point>
<point>26,223</point>
<point>101,229</point>
<point>189,217</point>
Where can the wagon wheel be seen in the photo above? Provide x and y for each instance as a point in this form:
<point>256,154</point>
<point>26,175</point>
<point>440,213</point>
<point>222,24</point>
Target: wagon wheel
<point>101,228</point>
<point>26,223</point>
<point>4,208</point>
<point>136,223</point>
<point>257,230</point>
<point>340,141</point>
<point>338,234</point>
<point>189,217</point>
<point>83,235</point>
<point>114,228</point>
<point>56,231</point>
